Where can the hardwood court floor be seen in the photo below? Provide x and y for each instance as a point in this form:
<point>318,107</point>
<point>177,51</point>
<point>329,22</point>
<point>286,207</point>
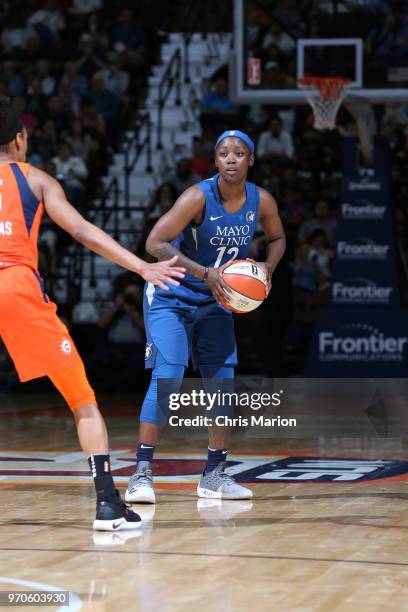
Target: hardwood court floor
<point>297,546</point>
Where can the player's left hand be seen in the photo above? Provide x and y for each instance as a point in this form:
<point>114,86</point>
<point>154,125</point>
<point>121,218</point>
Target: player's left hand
<point>163,272</point>
<point>268,271</point>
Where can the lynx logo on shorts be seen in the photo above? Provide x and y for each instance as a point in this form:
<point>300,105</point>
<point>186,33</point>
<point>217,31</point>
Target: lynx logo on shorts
<point>66,347</point>
<point>148,351</point>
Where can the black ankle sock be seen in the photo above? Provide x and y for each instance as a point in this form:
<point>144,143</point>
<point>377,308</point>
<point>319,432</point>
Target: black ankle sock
<point>101,472</point>
<point>145,452</point>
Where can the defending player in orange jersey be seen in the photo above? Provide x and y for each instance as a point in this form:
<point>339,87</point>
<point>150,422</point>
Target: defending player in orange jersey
<point>36,339</point>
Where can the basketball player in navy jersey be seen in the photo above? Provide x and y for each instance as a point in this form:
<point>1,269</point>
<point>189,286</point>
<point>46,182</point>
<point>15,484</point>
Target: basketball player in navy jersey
<point>210,224</point>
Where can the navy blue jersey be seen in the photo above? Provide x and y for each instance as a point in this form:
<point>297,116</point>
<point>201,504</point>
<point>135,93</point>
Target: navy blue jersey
<point>186,319</point>
<point>220,237</point>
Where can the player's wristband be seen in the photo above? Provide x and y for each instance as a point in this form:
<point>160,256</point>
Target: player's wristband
<point>206,270</point>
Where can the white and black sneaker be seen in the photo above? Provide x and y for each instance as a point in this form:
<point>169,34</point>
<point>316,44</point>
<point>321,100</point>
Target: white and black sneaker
<point>140,487</point>
<point>115,515</point>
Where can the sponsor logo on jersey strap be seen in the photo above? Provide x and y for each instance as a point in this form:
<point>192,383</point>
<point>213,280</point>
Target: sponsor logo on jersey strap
<point>250,216</point>
<point>215,218</point>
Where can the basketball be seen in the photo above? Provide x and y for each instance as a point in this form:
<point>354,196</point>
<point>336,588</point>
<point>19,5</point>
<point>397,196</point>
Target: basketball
<point>248,284</point>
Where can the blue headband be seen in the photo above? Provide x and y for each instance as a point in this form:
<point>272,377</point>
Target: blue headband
<point>236,134</point>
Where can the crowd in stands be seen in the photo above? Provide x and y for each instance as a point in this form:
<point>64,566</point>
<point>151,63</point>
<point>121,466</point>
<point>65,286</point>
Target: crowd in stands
<point>76,71</point>
<point>76,105</point>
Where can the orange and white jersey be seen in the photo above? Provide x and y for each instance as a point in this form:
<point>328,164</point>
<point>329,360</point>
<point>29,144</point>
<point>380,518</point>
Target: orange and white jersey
<point>20,217</point>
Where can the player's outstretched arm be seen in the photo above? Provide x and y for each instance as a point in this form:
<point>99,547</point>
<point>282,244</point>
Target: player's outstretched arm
<point>188,207</point>
<point>95,239</point>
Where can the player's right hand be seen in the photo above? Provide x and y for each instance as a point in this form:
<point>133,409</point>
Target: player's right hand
<point>162,272</point>
<point>218,286</point>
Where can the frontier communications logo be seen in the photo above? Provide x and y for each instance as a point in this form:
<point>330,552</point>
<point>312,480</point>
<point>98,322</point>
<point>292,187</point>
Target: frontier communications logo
<point>362,209</point>
<point>362,248</point>
<point>359,342</point>
<point>360,290</point>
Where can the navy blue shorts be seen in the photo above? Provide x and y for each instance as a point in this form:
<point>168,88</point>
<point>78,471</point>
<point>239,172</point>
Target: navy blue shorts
<point>180,329</point>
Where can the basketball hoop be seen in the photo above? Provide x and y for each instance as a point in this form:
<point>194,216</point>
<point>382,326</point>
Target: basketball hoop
<point>325,95</point>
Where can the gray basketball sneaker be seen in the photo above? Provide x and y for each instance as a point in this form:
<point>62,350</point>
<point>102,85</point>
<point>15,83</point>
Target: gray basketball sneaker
<point>140,487</point>
<point>219,485</point>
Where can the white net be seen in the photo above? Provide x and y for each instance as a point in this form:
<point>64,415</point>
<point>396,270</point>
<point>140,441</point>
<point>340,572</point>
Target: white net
<point>325,96</point>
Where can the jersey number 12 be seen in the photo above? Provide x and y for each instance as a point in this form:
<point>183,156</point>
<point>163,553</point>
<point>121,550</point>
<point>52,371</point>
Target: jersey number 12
<point>233,251</point>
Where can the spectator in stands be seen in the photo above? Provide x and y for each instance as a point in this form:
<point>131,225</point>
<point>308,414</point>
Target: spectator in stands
<point>118,362</point>
<point>58,113</point>
<point>106,103</point>
<point>312,276</point>
<point>16,37</point>
<point>81,143</point>
<point>71,171</point>
<point>91,57</point>
<point>44,140</point>
<point>48,83</point>
<point>128,30</point>
<point>114,78</point>
<point>275,143</point>
<point>71,99</point>
<point>320,254</point>
<point>276,36</point>
<point>85,7</point>
<point>183,177</point>
<point>36,101</point>
<point>48,22</point>
<point>12,79</point>
<point>322,219</point>
<point>92,121</point>
<point>202,157</point>
<point>165,197</point>
<point>78,83</point>
<point>218,100</point>
<point>27,118</point>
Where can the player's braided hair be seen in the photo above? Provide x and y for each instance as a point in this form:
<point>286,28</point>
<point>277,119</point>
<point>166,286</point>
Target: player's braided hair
<point>10,122</point>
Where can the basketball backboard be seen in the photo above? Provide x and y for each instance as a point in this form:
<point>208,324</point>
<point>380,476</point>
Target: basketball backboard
<point>272,51</point>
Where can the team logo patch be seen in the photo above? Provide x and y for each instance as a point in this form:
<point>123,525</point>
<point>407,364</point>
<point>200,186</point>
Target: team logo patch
<point>148,351</point>
<point>66,347</point>
<point>250,216</point>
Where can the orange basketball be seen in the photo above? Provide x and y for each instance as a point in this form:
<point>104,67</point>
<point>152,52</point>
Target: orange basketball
<point>248,283</point>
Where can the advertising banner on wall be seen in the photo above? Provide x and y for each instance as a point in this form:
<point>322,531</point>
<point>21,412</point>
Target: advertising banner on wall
<point>359,343</point>
<point>364,271</point>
